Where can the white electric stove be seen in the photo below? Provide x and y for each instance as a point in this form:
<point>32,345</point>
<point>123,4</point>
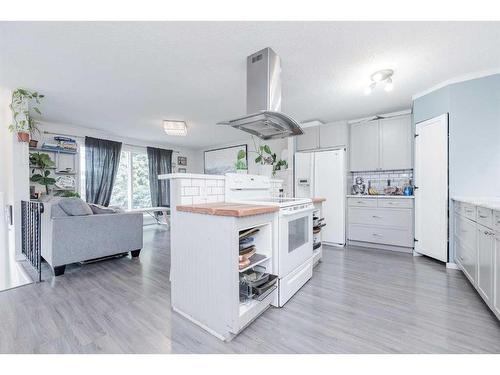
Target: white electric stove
<point>292,230</point>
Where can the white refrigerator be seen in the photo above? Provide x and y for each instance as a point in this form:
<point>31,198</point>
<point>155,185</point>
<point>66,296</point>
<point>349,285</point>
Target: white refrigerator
<point>322,174</point>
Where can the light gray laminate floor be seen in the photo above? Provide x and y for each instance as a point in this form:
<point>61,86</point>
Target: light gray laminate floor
<point>359,301</point>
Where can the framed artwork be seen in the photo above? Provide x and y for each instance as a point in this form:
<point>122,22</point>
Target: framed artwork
<point>223,160</point>
<point>181,170</point>
<point>182,160</point>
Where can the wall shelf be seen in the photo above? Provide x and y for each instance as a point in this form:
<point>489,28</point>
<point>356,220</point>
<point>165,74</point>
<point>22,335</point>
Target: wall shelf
<point>52,150</point>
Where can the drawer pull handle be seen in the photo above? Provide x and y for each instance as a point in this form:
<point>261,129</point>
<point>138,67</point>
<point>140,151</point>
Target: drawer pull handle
<point>376,235</point>
<point>376,217</point>
<point>361,202</point>
<point>469,211</point>
<point>483,217</point>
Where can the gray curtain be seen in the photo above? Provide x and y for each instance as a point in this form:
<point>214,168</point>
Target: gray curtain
<point>160,162</point>
<point>102,158</point>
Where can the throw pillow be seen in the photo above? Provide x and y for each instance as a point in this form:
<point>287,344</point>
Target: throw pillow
<point>98,209</point>
<point>75,207</point>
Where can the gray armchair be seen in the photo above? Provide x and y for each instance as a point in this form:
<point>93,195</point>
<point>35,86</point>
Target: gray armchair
<point>69,239</point>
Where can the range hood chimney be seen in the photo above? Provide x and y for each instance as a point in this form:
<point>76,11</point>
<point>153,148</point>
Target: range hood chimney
<point>264,118</point>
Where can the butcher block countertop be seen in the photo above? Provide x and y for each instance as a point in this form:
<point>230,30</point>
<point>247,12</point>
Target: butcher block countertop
<point>228,209</point>
<point>318,200</point>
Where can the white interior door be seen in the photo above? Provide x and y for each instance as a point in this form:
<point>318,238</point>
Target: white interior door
<point>431,195</point>
<point>329,183</point>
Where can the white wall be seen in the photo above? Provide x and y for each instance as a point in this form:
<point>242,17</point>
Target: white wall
<point>276,145</point>
<point>79,131</point>
<point>14,171</point>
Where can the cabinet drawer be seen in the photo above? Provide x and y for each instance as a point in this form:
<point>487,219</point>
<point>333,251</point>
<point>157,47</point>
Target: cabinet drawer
<point>362,202</point>
<point>395,203</point>
<point>465,230</point>
<point>485,216</point>
<point>468,210</point>
<point>387,236</point>
<point>467,259</point>
<point>496,220</point>
<point>380,216</point>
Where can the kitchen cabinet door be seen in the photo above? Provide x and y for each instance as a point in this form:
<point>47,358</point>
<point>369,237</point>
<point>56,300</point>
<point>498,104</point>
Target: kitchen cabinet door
<point>364,154</point>
<point>496,276</point>
<point>485,262</point>
<point>332,135</point>
<point>309,140</point>
<point>395,143</point>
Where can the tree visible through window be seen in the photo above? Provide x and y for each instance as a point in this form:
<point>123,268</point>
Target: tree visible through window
<point>141,195</point>
<point>131,188</point>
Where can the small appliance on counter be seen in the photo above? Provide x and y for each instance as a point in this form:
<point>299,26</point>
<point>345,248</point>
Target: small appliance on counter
<point>359,187</point>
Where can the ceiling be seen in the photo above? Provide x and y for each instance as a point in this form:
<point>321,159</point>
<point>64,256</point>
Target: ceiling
<point>126,77</point>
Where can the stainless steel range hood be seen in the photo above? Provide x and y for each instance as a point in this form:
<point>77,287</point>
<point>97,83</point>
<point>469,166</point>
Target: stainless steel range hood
<point>264,118</point>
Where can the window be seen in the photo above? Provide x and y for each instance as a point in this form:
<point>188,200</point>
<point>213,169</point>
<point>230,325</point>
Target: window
<point>131,188</point>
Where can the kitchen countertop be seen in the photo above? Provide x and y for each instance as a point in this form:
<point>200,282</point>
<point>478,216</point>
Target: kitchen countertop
<point>228,209</point>
<point>318,200</point>
<point>381,196</point>
<point>486,202</point>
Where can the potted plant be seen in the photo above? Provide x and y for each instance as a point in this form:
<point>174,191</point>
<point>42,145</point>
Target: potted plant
<point>43,163</point>
<point>22,123</point>
<point>241,165</point>
<point>279,165</point>
<point>265,159</point>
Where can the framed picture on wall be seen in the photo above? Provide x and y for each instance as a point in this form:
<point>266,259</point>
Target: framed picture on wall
<point>223,160</point>
<point>182,160</point>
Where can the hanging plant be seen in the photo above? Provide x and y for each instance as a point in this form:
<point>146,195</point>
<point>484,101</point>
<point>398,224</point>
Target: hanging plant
<point>22,123</point>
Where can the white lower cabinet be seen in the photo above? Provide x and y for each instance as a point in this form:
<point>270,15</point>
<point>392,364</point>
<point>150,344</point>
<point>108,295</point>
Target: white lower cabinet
<point>485,247</point>
<point>375,221</point>
<point>496,277</point>
<point>477,250</point>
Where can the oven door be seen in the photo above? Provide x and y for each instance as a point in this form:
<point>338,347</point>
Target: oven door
<point>295,239</point>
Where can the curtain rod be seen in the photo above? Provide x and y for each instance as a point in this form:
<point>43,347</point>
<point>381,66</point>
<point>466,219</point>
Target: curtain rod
<point>79,136</point>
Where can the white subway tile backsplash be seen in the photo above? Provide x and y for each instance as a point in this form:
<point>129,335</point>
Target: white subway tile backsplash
<point>211,183</point>
<point>220,183</point>
<point>198,182</point>
<point>185,182</point>
<point>211,198</point>
<point>191,191</point>
<point>186,200</point>
<point>221,198</point>
<point>197,200</point>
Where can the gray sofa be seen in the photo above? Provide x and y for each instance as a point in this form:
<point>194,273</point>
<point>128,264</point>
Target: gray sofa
<point>71,235</point>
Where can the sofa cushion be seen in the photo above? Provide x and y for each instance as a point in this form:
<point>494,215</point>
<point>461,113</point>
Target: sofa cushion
<point>98,209</point>
<point>75,207</point>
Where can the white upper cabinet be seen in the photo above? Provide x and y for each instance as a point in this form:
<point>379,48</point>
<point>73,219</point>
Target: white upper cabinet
<point>395,143</point>
<point>384,144</point>
<point>309,140</point>
<point>333,135</point>
<point>364,154</point>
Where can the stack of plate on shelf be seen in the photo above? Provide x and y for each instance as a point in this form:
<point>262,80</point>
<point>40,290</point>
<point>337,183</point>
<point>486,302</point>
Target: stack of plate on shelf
<point>247,246</point>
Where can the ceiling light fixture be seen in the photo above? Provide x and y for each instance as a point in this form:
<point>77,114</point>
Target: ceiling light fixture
<point>175,127</point>
<point>378,77</point>
<point>388,85</point>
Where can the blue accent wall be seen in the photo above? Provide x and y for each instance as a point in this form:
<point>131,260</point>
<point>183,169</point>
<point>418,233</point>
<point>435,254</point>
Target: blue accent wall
<point>474,136</point>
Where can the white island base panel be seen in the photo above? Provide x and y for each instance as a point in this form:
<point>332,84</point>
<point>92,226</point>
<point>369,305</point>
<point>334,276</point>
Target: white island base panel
<point>205,271</point>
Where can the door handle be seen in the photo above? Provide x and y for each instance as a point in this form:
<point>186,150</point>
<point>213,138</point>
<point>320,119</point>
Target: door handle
<point>376,217</point>
<point>377,235</point>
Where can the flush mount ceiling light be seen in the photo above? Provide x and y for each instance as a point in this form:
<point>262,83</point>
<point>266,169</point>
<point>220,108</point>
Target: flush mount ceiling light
<point>380,76</point>
<point>175,127</point>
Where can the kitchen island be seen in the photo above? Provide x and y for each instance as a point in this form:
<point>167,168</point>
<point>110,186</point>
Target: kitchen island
<point>205,264</point>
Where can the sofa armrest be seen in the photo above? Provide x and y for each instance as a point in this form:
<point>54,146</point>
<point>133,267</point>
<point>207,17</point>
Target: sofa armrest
<point>79,238</point>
